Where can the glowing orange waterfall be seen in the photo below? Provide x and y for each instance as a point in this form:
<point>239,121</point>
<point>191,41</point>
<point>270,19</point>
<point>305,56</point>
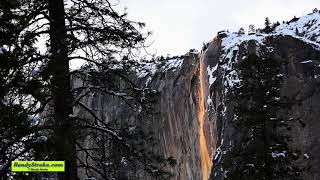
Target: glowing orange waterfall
<point>206,163</point>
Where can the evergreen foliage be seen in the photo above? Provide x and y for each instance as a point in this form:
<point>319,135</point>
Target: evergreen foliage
<point>241,31</point>
<point>38,39</point>
<point>252,29</point>
<point>262,151</point>
<point>267,26</point>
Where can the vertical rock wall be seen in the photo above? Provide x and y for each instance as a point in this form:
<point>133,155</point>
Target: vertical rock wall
<point>175,124</point>
<point>300,86</point>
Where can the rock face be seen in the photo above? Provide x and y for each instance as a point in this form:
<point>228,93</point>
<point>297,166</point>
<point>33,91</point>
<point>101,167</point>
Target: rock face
<point>177,128</point>
<point>174,123</point>
<point>250,103</point>
<point>300,86</point>
<point>286,137</point>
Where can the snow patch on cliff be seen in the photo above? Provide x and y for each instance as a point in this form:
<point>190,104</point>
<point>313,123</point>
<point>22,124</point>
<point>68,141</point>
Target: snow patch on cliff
<point>210,72</point>
<point>230,47</point>
<point>150,68</point>
<point>305,62</point>
<point>281,154</point>
<point>233,40</point>
<point>306,28</point>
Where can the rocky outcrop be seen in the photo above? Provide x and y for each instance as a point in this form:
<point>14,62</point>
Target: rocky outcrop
<point>295,121</point>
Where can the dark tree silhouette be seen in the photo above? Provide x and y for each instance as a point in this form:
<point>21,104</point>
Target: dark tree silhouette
<point>267,24</point>
<point>39,38</point>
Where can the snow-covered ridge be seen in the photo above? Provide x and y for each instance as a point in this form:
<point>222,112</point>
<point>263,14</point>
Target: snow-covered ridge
<point>150,68</point>
<point>307,27</point>
<point>230,44</point>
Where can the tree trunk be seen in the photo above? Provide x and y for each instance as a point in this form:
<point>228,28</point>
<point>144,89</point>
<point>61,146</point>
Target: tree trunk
<point>63,139</point>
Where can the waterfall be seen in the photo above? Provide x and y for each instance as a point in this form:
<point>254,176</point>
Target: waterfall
<point>206,162</point>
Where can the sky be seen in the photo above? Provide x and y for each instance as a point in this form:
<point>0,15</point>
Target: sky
<point>180,25</point>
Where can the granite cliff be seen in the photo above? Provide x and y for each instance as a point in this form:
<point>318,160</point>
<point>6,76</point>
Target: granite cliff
<point>266,95</point>
<point>179,124</point>
<point>246,107</point>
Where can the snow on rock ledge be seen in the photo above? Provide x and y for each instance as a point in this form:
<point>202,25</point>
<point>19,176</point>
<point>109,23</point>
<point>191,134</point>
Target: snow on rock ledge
<point>297,46</point>
<point>150,68</point>
<point>306,28</point>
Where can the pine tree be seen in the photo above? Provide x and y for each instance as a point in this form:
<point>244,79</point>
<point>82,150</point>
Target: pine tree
<point>65,147</point>
<point>274,25</point>
<point>267,24</point>
<point>39,77</point>
<point>20,84</point>
<point>315,10</point>
<point>241,31</point>
<point>252,29</point>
